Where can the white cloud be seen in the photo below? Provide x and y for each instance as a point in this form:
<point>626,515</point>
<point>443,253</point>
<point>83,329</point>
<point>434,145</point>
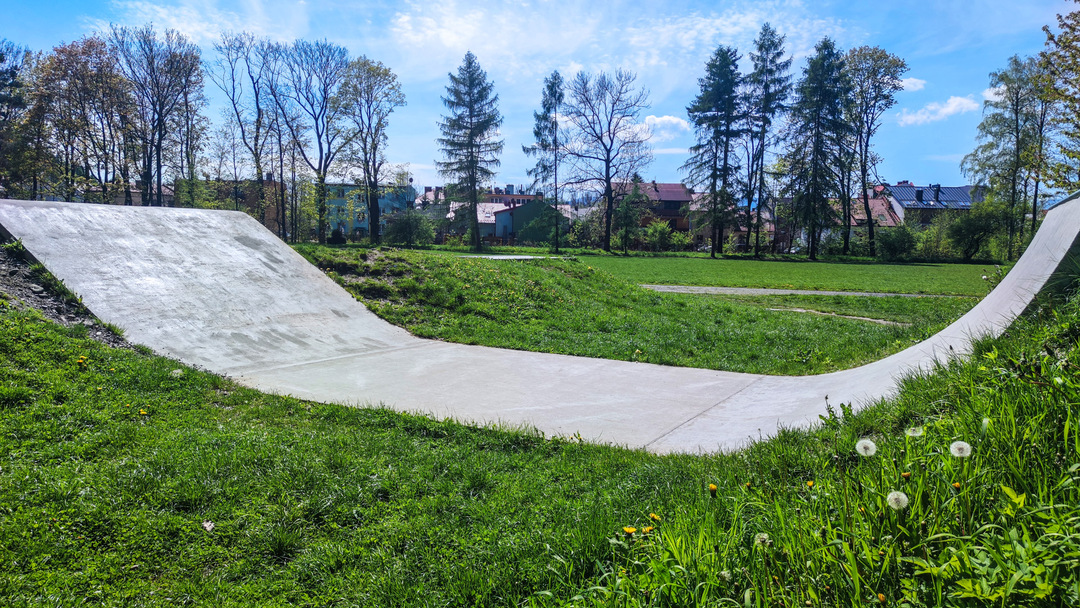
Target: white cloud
<point>913,84</point>
<point>203,21</point>
<point>666,128</point>
<point>993,93</point>
<point>935,111</point>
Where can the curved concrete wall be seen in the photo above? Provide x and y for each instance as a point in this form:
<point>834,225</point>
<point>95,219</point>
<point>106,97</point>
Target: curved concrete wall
<point>217,290</point>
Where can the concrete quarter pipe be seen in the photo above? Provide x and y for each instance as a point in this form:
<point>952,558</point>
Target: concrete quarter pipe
<point>217,290</point>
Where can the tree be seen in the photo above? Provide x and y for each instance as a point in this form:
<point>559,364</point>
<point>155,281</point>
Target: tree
<point>874,75</point>
<point>469,142</point>
<point>627,216</point>
<point>546,148</point>
<point>606,144</point>
<point>368,95</point>
<point>1061,58</point>
<point>242,72</point>
<point>817,128</point>
<point>304,81</point>
<point>161,72</point>
<point>717,114</point>
<point>14,147</point>
<point>1005,133</point>
<point>767,90</point>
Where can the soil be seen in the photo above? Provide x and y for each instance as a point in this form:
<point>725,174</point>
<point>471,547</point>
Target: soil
<point>21,288</point>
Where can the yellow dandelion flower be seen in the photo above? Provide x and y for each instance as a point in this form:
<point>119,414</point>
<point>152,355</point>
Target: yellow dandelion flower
<point>647,529</point>
<point>905,475</point>
<point>142,411</point>
<point>810,484</point>
<point>956,484</point>
<point>881,597</point>
<point>712,489</point>
<point>654,517</point>
<point>629,530</point>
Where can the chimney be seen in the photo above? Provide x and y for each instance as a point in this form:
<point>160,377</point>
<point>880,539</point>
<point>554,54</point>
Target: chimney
<point>918,195</point>
<point>937,192</point>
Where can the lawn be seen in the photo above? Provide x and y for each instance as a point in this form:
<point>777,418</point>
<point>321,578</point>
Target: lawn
<point>570,307</point>
<point>130,480</point>
<point>934,279</point>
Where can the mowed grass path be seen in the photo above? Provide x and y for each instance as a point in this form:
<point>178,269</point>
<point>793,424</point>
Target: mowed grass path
<point>939,279</point>
<point>569,307</point>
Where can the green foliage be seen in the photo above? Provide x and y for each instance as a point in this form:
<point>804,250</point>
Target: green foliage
<point>541,230</point>
<point>971,231</point>
<point>626,220</point>
<point>469,133</point>
<point>567,307</point>
<point>657,236</point>
<point>410,228</point>
<point>896,243</point>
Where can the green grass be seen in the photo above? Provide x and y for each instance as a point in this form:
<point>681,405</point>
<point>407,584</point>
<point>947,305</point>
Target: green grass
<point>569,307</point>
<point>934,279</point>
<point>112,463</point>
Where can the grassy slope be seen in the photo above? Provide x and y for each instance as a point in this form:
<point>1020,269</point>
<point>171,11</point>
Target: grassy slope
<point>570,308</point>
<point>943,279</point>
<point>110,465</point>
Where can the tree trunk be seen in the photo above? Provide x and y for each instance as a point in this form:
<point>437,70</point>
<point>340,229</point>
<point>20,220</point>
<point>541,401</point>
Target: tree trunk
<point>374,214</point>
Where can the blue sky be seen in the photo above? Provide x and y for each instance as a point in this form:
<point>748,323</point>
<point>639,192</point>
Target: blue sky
<point>950,46</point>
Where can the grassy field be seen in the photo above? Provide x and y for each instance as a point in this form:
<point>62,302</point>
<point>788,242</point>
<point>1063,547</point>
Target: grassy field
<point>129,480</point>
<point>939,279</point>
<point>572,308</point>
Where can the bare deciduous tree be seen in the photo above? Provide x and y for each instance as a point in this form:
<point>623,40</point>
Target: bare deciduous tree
<point>606,144</point>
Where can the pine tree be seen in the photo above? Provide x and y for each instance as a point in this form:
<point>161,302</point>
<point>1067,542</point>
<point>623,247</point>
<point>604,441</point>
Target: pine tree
<point>768,87</point>
<point>716,114</point>
<point>818,129</point>
<point>546,148</point>
<point>469,141</point>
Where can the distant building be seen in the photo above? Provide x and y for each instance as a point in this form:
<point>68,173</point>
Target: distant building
<point>668,202</point>
<point>346,207</point>
<point>920,204</point>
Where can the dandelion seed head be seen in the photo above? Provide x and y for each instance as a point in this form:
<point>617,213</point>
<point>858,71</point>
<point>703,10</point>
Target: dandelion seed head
<point>866,447</point>
<point>915,431</point>
<point>761,539</point>
<point>960,449</point>
<point>897,500</point>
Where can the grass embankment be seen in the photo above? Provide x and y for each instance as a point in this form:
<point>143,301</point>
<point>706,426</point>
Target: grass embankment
<point>568,307</point>
<point>123,482</point>
<point>931,279</point>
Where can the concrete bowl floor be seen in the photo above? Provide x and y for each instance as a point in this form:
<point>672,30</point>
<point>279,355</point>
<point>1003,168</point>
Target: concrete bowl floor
<point>217,290</point>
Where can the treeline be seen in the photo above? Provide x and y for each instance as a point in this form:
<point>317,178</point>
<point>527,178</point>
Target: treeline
<point>121,116</point>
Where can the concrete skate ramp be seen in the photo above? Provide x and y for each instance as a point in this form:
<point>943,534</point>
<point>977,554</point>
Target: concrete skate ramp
<point>217,290</point>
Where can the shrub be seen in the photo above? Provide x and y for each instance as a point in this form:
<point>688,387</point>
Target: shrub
<point>895,243</point>
<point>410,228</point>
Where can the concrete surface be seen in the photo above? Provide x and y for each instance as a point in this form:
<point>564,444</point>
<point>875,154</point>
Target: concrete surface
<point>217,290</point>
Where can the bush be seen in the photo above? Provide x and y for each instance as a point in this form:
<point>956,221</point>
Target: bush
<point>895,243</point>
<point>657,236</point>
<point>410,228</point>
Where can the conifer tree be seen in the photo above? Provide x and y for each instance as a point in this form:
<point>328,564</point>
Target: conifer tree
<point>717,117</point>
<point>469,142</point>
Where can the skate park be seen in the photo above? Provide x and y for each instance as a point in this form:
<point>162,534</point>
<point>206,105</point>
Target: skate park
<point>215,289</point>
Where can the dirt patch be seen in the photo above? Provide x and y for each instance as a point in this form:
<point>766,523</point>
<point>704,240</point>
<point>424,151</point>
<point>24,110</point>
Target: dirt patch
<point>21,288</point>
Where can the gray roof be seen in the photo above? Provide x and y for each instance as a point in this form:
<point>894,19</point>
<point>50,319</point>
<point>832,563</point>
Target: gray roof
<point>949,197</point>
